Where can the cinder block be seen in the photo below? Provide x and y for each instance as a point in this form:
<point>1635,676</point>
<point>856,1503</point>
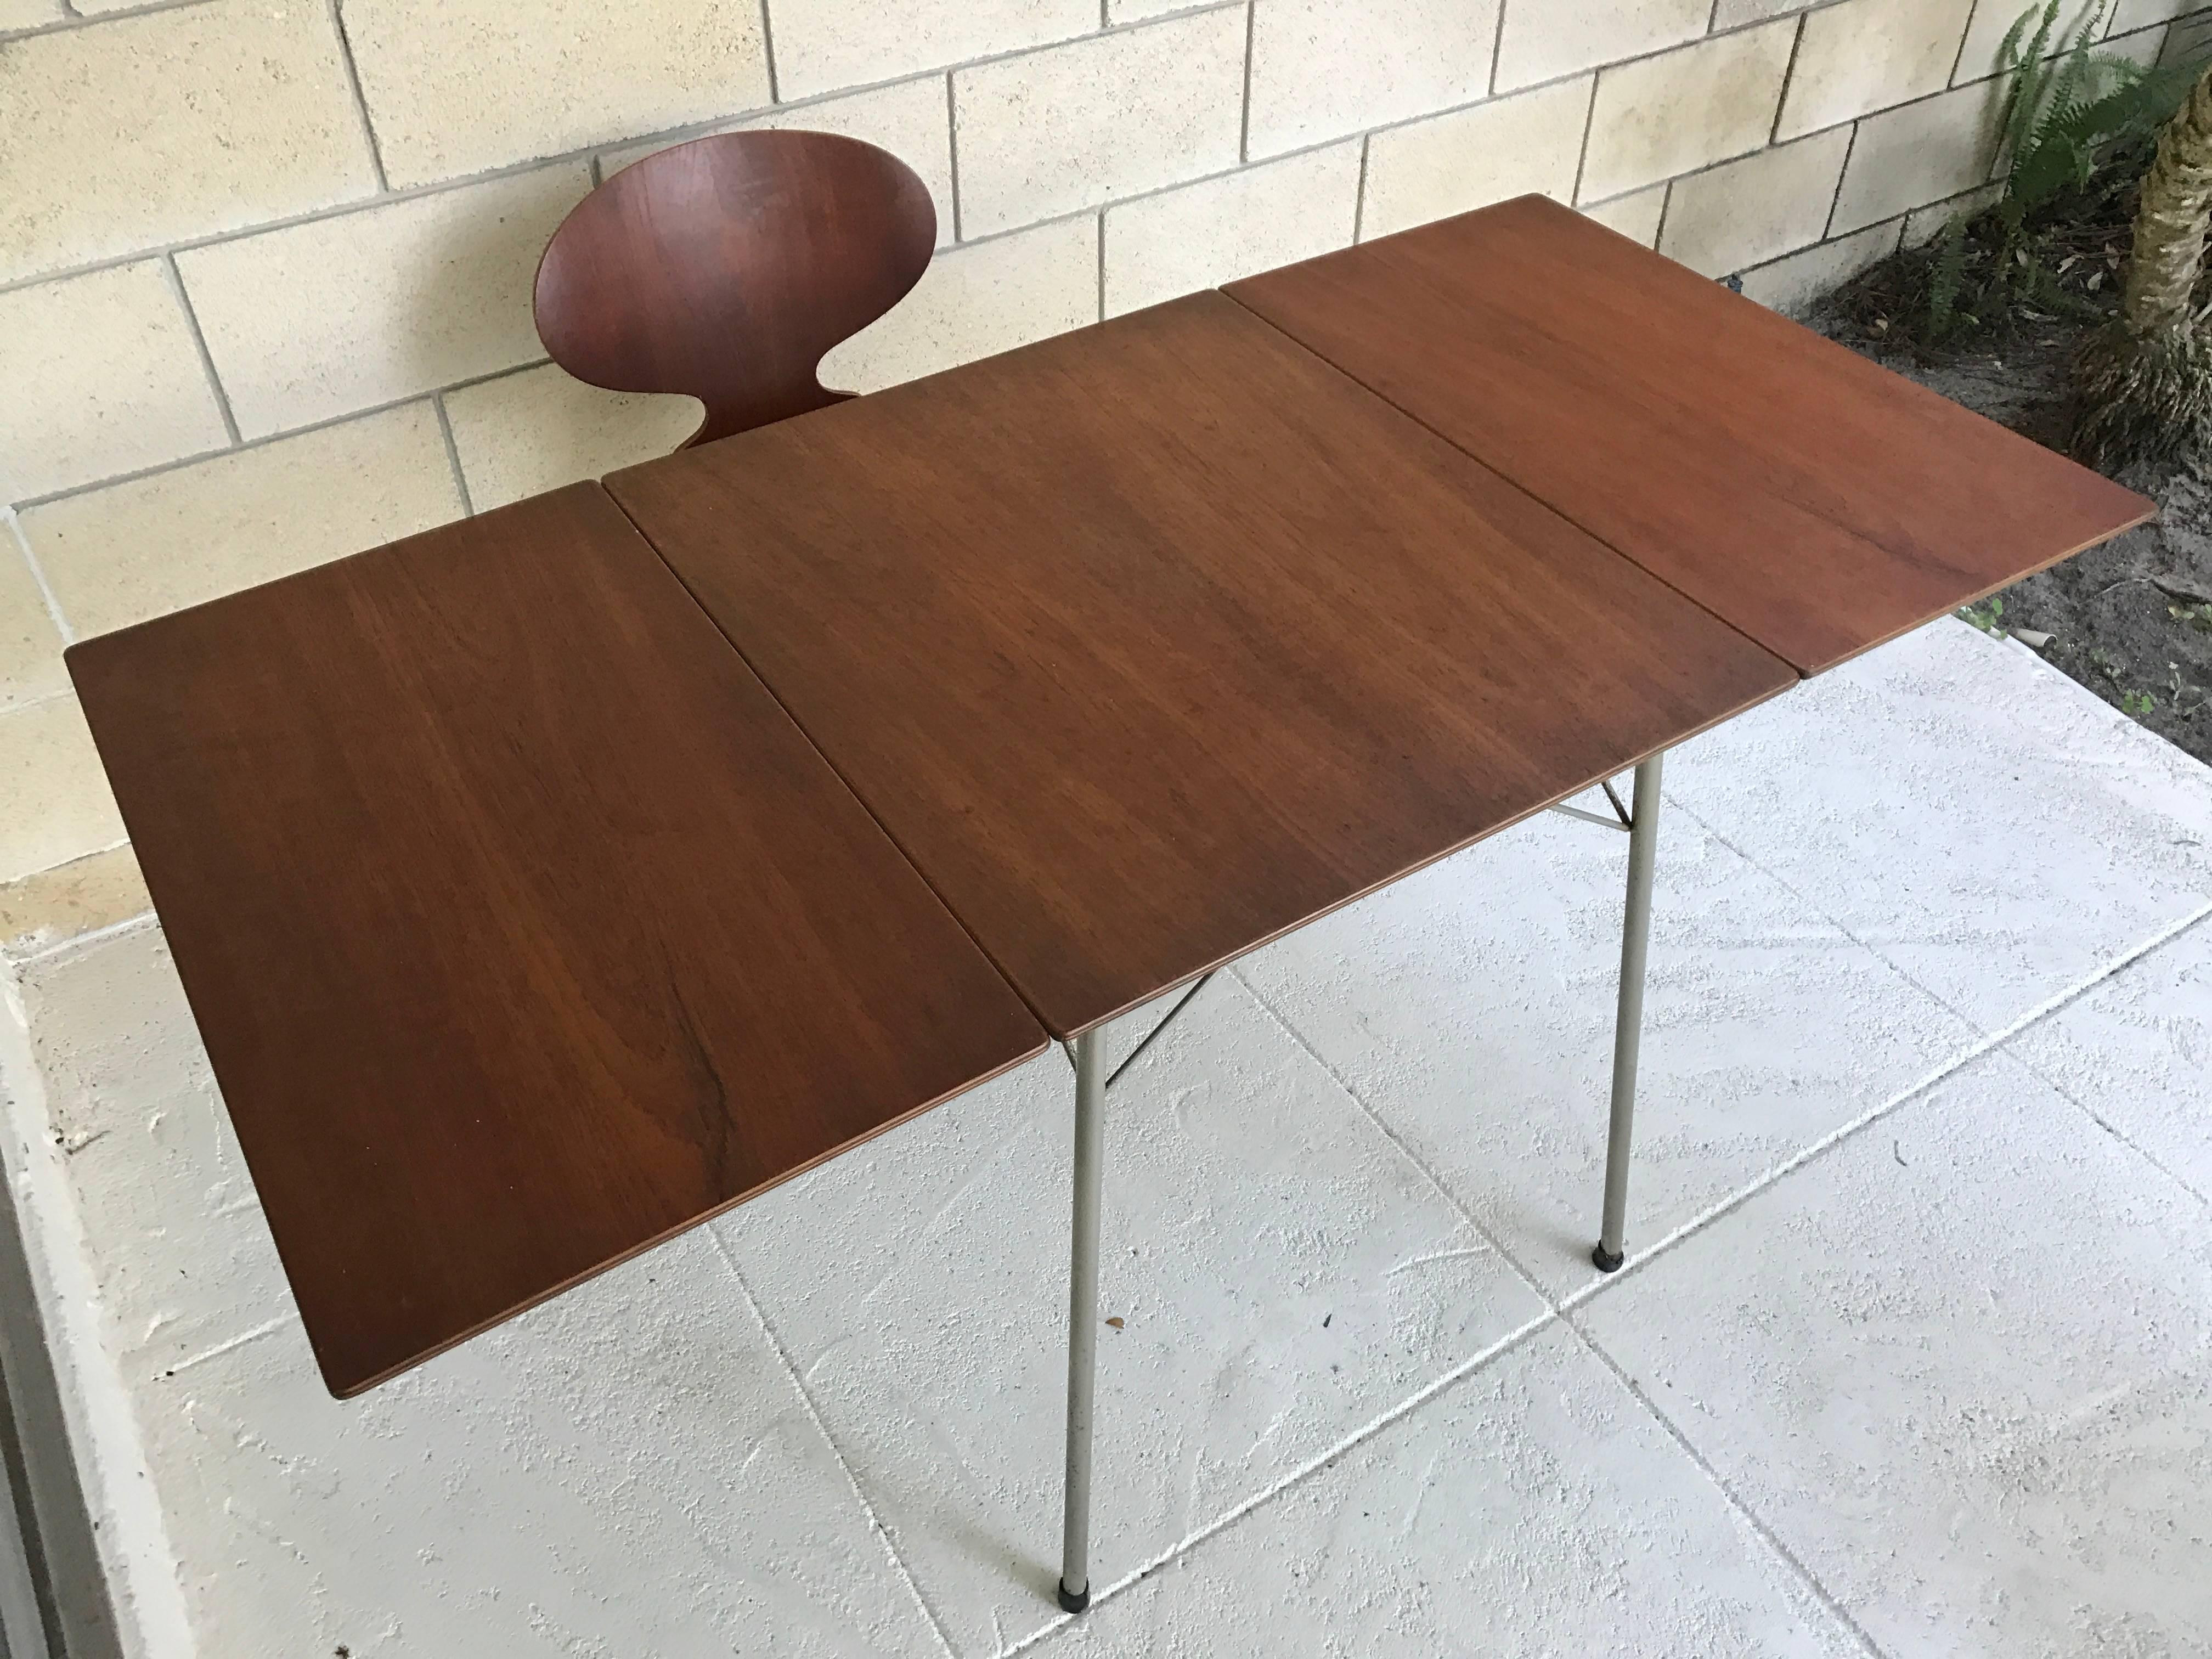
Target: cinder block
<point>103,378</point>
<point>2146,48</point>
<point>1746,213</point>
<point>1685,109</point>
<point>118,555</point>
<point>1734,14</point>
<point>175,125</point>
<point>822,45</point>
<point>976,301</point>
<point>2141,13</point>
<point>100,890</point>
<point>912,120</point>
<point>30,644</point>
<point>29,13</point>
<point>1544,39</point>
<point>321,319</point>
<point>522,435</point>
<point>1528,143</point>
<point>2188,41</point>
<point>1326,68</point>
<point>455,88</point>
<point>1867,55</point>
<point>1254,220</point>
<point>1925,152</point>
<point>1637,216</point>
<point>59,807</point>
<point>1076,126</point>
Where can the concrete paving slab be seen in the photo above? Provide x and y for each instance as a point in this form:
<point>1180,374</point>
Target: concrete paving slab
<point>1978,819</point>
<point>1533,1508</point>
<point>1286,1276</point>
<point>2136,1053</point>
<point>1472,1007</point>
<point>627,1470</point>
<point>1962,1365</point>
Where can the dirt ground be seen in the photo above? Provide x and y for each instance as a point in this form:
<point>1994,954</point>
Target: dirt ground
<point>2131,620</point>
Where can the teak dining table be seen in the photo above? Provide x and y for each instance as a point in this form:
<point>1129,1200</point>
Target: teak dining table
<point>546,883</point>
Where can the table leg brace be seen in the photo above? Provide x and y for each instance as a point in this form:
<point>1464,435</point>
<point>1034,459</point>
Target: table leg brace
<point>1628,1027</point>
<point>1082,1316</point>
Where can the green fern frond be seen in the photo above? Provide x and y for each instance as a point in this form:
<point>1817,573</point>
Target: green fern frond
<point>2008,50</point>
<point>2056,71</point>
<point>2142,101</point>
<point>2030,74</point>
<point>2051,166</point>
<point>2042,287</point>
<point>1948,277</point>
<point>2067,82</point>
<point>2074,54</point>
<point>2068,85</point>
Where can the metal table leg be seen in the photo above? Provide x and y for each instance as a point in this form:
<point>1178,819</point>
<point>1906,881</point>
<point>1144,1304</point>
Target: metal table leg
<point>1083,1316</point>
<point>1628,1026</point>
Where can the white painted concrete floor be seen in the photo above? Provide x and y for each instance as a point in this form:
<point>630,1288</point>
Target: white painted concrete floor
<point>1913,1355</point>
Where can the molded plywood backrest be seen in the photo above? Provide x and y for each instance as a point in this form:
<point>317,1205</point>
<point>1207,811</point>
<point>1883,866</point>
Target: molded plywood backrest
<point>727,267</point>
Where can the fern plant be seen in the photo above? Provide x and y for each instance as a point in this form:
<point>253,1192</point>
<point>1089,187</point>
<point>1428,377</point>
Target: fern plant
<point>1948,278</point>
<point>2068,108</point>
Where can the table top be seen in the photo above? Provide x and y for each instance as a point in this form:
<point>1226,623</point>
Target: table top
<point>523,927</point>
<point>1153,641</point>
<point>527,922</point>
<point>1816,499</point>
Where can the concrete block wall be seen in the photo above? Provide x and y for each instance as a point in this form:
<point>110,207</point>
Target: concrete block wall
<point>265,265</point>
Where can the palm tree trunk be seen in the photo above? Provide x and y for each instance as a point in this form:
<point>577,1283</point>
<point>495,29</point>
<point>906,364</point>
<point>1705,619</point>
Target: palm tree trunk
<point>2145,380</point>
<point>2170,222</point>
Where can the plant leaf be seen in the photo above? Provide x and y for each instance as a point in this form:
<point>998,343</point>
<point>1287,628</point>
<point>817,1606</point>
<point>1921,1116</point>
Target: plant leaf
<point>1948,277</point>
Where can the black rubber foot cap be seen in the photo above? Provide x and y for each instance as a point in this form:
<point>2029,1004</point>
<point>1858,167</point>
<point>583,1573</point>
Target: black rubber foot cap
<point>1073,1600</point>
<point>1608,1262</point>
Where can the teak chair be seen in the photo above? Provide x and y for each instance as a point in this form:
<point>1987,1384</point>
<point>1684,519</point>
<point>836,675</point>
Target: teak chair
<point>725,268</point>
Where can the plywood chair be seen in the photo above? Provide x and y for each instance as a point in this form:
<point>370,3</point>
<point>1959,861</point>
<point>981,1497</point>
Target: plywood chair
<point>727,267</point>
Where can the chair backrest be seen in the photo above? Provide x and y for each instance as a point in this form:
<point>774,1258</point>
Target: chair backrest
<point>725,268</point>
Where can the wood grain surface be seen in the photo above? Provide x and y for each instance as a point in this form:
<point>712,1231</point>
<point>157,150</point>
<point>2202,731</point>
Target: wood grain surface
<point>725,268</point>
<point>523,929</point>
<point>1819,501</point>
<point>1152,641</point>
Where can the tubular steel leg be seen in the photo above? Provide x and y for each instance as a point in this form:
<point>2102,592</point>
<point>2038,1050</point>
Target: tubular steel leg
<point>1083,1316</point>
<point>1628,1027</point>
